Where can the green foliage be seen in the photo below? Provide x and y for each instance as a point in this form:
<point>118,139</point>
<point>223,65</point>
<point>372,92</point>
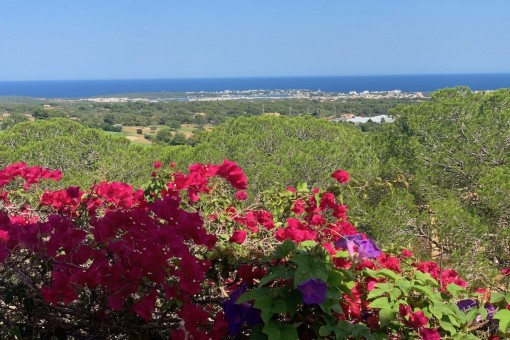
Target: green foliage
<point>280,150</point>
<point>436,179</point>
<point>455,151</point>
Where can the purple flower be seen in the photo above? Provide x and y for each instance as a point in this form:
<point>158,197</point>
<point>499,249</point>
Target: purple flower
<point>237,314</point>
<point>490,310</point>
<point>348,242</point>
<point>314,291</point>
<point>466,304</point>
<point>366,247</point>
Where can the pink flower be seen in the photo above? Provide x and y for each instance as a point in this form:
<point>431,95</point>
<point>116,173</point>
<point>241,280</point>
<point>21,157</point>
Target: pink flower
<point>505,272</point>
<point>239,236</point>
<point>429,334</point>
<point>298,207</point>
<point>241,195</point>
<point>4,236</point>
<point>407,253</point>
<point>157,165</point>
<point>417,320</point>
<point>341,176</point>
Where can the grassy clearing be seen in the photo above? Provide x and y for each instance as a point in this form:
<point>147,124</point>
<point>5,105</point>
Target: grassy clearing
<point>130,133</point>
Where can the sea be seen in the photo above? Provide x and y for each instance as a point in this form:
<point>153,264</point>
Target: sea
<point>407,83</point>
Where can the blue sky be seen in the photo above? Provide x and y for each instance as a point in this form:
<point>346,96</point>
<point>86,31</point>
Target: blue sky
<point>113,39</point>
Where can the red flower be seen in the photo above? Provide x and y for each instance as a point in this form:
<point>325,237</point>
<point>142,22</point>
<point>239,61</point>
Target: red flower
<point>4,236</point>
<point>404,310</point>
<point>451,276</point>
<point>298,207</point>
<point>429,334</point>
<point>505,272</point>
<point>234,174</point>
<point>145,306</point>
<point>239,236</point>
<point>428,267</point>
<point>407,253</point>
<point>157,165</point>
<point>389,262</point>
<point>417,320</point>
<point>341,176</point>
<point>241,195</point>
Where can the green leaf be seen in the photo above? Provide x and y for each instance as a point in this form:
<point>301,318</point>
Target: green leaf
<point>277,273</point>
<point>283,250</point>
<point>503,315</point>
<point>279,306</point>
<point>255,294</point>
<point>270,307</point>
<point>436,310</point>
<point>497,297</point>
<point>386,315</point>
<point>375,293</point>
<point>275,330</point>
<point>395,293</point>
<point>302,186</point>
<point>434,296</point>
<point>293,298</point>
<point>382,302</point>
<point>387,287</point>
<point>325,330</point>
<point>404,285</point>
<point>447,325</point>
<point>382,273</point>
<point>256,332</point>
<point>266,306</point>
<point>307,244</point>
<point>464,336</point>
<point>483,312</point>
<point>426,278</point>
<point>455,290</point>
<point>336,307</point>
<point>309,268</point>
<point>342,254</point>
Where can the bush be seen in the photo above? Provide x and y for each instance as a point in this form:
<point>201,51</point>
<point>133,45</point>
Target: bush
<point>183,259</point>
<point>139,131</point>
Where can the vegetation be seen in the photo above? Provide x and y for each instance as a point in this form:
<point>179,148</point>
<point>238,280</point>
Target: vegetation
<point>112,261</point>
<point>436,181</point>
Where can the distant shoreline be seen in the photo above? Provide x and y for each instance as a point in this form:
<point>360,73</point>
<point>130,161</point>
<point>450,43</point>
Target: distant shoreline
<point>76,89</point>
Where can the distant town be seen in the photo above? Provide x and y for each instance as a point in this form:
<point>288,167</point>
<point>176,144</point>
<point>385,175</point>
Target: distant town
<point>259,94</point>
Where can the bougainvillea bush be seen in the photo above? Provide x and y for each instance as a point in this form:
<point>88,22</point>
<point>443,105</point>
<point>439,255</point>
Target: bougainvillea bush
<point>191,257</point>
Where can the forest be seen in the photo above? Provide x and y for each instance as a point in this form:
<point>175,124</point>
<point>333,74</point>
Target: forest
<point>173,114</point>
<point>436,181</point>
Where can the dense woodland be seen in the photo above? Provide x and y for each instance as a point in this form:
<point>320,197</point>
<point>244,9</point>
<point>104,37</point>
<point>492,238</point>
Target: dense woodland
<point>437,179</point>
<point>172,114</point>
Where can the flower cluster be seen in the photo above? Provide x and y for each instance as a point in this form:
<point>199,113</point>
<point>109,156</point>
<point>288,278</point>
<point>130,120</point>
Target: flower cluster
<point>145,260</point>
<point>30,175</point>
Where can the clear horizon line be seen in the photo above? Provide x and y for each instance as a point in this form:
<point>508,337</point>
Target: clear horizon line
<point>261,77</point>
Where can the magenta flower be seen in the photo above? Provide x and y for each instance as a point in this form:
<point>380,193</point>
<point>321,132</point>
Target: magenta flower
<point>366,247</point>
<point>314,291</point>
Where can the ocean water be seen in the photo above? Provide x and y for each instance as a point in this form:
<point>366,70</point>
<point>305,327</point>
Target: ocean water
<point>406,83</point>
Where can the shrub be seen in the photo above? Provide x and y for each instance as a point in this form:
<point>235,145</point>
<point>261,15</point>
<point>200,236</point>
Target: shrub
<point>182,259</point>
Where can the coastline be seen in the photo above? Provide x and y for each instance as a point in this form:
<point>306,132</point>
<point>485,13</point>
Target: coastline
<point>78,89</point>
